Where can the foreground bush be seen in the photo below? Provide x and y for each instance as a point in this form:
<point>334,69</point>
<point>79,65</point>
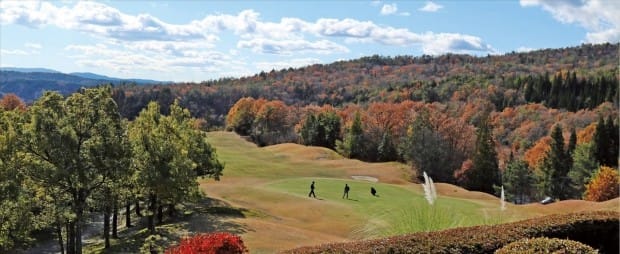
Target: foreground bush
<point>546,245</point>
<point>214,243</point>
<point>597,229</point>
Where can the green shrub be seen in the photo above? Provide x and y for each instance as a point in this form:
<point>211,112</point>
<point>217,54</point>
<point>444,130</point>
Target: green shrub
<point>597,229</point>
<point>546,245</point>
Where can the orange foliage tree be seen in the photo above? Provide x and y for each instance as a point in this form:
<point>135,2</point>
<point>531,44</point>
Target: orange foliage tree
<point>241,116</point>
<point>604,185</point>
<point>11,101</point>
<point>272,124</point>
<point>534,155</point>
<point>585,135</point>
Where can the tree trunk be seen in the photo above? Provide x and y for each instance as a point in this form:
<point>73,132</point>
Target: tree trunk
<point>71,237</point>
<point>151,217</point>
<point>78,233</point>
<point>106,226</point>
<point>60,241</point>
<point>160,214</point>
<point>115,220</point>
<point>128,214</point>
<point>138,212</point>
<point>80,204</point>
<point>171,210</point>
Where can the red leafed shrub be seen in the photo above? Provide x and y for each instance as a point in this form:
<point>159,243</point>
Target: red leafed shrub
<point>213,243</point>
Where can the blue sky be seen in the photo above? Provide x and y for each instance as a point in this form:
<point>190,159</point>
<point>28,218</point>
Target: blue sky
<point>201,40</point>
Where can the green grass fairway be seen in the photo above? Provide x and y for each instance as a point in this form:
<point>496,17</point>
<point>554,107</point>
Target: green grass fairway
<point>396,210</point>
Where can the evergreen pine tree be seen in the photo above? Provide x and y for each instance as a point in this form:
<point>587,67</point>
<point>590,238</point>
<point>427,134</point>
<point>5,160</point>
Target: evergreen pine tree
<point>352,146</point>
<point>517,181</point>
<point>485,171</point>
<point>600,141</point>
<point>554,168</point>
<point>584,165</point>
<point>612,146</point>
<point>386,149</point>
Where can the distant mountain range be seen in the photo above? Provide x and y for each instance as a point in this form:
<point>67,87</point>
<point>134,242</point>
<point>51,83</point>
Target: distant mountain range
<point>30,83</point>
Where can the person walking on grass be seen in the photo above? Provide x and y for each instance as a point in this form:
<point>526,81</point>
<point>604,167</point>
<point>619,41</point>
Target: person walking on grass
<point>346,191</point>
<point>373,191</point>
<point>312,190</point>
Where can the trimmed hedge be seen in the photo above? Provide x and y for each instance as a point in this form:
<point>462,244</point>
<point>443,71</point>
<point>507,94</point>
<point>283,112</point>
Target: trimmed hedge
<point>546,245</point>
<point>597,229</point>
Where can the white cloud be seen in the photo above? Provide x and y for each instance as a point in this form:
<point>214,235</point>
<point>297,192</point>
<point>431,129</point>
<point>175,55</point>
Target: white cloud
<point>599,17</point>
<point>14,52</point>
<point>287,47</point>
<point>137,57</point>
<point>435,44</point>
<point>29,49</point>
<point>97,19</point>
<point>525,49</point>
<point>430,7</point>
<point>132,43</point>
<point>294,63</point>
<point>389,9</point>
<point>375,2</point>
<point>289,35</point>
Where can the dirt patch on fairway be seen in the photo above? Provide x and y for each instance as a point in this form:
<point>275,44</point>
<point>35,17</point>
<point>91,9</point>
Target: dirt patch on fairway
<point>366,178</point>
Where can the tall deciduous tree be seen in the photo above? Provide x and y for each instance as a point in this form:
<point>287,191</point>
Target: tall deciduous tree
<point>16,195</point>
<point>271,125</point>
<point>169,154</point>
<point>241,116</point>
<point>69,139</point>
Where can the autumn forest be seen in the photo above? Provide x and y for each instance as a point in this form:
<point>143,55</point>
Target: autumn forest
<point>536,124</point>
<point>540,123</point>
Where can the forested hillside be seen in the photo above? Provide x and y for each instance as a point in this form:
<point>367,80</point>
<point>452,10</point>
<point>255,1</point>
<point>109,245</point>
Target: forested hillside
<point>519,119</point>
<point>590,71</point>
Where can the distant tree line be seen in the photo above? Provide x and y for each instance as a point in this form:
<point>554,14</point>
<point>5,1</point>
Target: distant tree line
<point>573,78</point>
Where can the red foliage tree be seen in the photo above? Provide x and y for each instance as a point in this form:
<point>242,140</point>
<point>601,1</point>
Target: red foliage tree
<point>213,243</point>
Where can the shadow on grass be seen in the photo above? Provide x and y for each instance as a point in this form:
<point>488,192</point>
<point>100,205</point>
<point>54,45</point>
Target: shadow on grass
<point>203,216</point>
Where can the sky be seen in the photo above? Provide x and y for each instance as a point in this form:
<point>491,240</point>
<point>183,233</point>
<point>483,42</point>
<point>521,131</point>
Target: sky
<point>202,40</point>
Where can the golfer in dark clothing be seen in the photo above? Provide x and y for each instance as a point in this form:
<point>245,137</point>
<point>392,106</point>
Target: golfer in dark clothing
<point>312,190</point>
<point>346,191</point>
<point>373,191</point>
